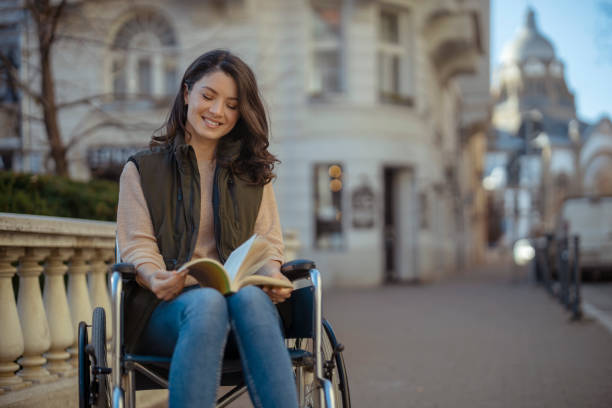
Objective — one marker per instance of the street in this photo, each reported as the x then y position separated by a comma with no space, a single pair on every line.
473,342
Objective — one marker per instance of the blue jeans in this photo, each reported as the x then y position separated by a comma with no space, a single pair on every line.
193,328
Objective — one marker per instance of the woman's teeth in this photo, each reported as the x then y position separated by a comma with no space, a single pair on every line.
211,122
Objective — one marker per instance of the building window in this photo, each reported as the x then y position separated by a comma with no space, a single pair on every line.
9,49
394,57
328,187
424,207
142,58
534,68
556,69
107,161
145,82
326,59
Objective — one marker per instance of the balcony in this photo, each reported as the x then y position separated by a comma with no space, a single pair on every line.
453,43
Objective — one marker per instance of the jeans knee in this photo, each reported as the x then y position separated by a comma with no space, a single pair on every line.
206,309
250,297
254,303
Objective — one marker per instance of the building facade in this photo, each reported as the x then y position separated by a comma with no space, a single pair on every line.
379,113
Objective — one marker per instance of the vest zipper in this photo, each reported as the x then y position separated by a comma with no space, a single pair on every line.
177,210
216,219
232,191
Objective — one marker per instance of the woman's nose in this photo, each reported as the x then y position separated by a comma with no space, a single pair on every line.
217,107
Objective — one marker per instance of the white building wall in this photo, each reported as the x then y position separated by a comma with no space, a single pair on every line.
354,129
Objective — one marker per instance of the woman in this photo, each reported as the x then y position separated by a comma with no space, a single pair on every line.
200,191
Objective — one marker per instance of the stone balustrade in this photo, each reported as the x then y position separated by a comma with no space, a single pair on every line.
38,330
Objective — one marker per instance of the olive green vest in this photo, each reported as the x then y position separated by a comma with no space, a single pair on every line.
171,185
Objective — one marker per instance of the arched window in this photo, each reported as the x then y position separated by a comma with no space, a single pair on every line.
143,57
556,69
534,68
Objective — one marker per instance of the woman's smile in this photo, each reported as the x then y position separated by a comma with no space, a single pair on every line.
212,123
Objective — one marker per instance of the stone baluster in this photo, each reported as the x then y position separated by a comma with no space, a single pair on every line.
58,313
78,296
11,338
98,286
33,318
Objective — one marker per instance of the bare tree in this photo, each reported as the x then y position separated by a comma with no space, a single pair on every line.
46,16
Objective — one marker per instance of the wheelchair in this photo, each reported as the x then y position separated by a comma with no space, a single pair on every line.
316,355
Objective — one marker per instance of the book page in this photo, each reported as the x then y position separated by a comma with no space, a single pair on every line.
255,259
209,273
264,280
233,262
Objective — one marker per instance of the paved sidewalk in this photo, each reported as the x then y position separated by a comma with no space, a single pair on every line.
478,342
597,302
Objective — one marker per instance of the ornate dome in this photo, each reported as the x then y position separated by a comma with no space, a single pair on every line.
529,43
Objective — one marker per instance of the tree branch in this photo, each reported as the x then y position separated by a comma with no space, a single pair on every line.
57,12
84,100
14,109
109,123
11,71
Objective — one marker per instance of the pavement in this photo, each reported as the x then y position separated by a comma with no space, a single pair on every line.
490,340
597,302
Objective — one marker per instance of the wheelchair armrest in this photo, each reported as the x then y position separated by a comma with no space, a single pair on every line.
297,269
127,270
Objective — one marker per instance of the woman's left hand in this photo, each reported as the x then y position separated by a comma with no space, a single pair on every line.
276,294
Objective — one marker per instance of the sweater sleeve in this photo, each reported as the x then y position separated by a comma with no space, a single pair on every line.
268,225
135,234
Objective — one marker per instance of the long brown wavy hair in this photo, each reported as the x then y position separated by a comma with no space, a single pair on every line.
252,161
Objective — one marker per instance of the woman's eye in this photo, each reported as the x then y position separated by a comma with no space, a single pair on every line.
232,107
208,98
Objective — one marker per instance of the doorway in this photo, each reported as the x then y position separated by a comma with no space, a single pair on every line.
400,225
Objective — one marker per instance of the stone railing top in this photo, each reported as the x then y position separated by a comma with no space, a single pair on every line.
56,225
38,230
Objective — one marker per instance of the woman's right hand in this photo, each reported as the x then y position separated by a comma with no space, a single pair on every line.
166,285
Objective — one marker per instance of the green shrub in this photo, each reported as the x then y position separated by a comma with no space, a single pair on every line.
58,196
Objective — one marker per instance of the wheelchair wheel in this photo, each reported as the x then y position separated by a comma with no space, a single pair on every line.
333,369
84,367
99,344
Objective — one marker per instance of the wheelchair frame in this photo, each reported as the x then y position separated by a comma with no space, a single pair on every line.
124,366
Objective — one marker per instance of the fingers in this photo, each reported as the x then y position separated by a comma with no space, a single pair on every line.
168,285
277,295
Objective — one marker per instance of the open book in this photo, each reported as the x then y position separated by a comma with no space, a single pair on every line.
239,269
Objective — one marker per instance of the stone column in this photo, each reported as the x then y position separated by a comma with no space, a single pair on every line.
78,296
11,338
33,318
58,314
98,284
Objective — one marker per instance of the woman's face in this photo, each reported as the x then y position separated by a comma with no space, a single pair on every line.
212,107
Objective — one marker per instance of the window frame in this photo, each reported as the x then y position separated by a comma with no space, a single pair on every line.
317,46
403,51
318,223
152,38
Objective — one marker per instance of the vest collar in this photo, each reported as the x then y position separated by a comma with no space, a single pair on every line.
182,150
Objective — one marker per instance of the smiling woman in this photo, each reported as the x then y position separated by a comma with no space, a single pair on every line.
201,191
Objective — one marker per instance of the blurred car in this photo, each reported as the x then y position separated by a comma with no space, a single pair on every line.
591,219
